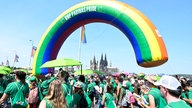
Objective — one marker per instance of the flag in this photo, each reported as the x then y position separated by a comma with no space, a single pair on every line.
33,51
83,37
16,58
7,62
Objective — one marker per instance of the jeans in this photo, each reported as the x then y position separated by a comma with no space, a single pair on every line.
99,104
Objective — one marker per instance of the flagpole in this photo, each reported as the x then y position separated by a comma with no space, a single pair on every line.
14,61
79,49
30,55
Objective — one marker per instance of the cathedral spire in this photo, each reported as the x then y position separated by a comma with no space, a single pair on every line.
105,61
101,61
94,60
101,67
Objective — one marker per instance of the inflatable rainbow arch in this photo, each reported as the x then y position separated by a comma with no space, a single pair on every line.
147,43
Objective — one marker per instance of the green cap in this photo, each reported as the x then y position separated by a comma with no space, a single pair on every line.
33,78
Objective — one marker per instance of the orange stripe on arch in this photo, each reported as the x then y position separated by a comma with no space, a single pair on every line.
161,44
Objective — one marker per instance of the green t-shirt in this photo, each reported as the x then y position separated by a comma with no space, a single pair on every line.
160,102
45,85
178,104
189,94
48,104
146,97
108,97
3,83
183,94
90,88
129,86
113,84
12,89
76,99
66,88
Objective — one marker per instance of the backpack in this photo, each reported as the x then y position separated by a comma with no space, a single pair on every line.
129,97
96,93
33,95
83,102
69,97
111,102
88,100
1,89
19,100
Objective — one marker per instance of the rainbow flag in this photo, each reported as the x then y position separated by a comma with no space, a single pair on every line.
33,51
83,37
16,59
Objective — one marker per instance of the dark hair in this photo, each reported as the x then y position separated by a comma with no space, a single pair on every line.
97,82
20,75
101,79
64,75
110,88
82,78
187,84
1,75
175,93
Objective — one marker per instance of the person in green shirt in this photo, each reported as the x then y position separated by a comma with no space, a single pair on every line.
55,97
155,98
108,99
45,84
129,85
188,95
12,88
78,94
118,81
73,80
67,89
144,93
3,85
90,89
171,89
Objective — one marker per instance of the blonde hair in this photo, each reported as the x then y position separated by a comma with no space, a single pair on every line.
55,95
145,88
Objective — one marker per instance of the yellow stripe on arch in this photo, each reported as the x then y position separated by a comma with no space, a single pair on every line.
147,30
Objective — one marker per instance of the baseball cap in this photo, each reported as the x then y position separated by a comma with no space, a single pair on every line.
33,78
169,82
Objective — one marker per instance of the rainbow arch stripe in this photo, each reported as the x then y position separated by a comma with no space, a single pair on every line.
147,43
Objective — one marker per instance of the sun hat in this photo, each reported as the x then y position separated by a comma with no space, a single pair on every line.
151,79
168,82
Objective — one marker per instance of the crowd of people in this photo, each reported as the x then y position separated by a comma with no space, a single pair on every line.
66,90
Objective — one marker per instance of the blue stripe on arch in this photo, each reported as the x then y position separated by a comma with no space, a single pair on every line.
85,16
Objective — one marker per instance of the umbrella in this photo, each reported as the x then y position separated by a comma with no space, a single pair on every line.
116,74
84,72
98,72
5,68
60,63
3,71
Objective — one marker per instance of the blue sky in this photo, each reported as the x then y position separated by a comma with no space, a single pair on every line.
24,20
